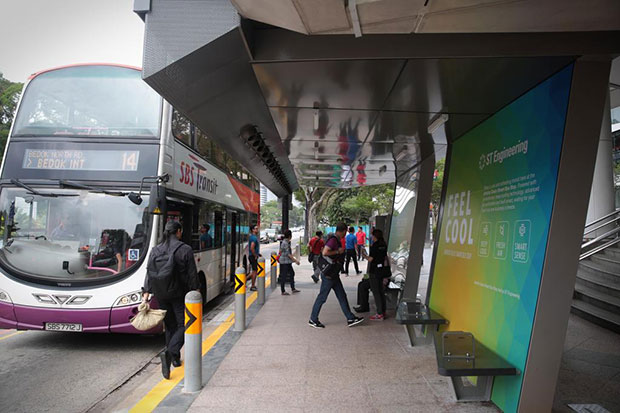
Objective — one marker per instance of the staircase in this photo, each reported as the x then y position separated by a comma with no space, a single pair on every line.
597,289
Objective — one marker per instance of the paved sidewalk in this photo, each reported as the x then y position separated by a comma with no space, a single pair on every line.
282,364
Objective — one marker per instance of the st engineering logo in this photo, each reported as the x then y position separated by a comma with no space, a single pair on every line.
193,173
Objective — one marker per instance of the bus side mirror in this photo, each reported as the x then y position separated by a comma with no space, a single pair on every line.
157,200
135,198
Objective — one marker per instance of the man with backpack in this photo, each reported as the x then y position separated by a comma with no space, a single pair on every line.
170,274
330,264
315,246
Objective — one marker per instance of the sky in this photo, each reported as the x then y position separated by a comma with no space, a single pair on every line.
41,34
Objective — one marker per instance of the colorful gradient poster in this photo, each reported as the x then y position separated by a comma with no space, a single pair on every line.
495,223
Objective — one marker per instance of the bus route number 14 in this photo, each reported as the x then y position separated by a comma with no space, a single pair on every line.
130,161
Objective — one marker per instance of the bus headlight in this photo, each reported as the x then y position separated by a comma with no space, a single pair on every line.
4,296
129,299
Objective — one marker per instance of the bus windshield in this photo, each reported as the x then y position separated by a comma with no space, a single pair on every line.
107,101
71,238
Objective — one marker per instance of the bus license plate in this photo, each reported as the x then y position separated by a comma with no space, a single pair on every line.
63,327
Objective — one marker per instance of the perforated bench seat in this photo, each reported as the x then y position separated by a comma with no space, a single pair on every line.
464,361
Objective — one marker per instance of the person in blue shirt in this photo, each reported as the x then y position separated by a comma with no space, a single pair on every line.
254,253
206,241
350,242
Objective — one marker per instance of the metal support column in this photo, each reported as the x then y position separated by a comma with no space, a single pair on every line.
418,232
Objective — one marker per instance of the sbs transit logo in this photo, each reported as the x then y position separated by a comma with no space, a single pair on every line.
193,172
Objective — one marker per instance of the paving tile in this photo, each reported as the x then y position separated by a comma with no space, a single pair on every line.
402,393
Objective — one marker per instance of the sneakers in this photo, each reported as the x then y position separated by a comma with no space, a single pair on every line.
315,278
315,324
285,293
359,272
252,288
377,317
295,291
165,364
360,309
355,321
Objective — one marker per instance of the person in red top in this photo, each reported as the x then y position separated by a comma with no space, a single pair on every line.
361,243
315,246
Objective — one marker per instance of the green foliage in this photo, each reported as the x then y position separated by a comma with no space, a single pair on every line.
9,96
437,184
357,205
270,212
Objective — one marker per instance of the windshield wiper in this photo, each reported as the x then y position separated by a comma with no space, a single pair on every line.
33,191
71,184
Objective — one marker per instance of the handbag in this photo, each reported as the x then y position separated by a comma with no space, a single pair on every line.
147,318
328,267
386,270
310,257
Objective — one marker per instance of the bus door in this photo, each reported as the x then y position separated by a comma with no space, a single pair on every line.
181,212
232,243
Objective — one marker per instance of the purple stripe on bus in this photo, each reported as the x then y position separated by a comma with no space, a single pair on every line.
7,316
103,320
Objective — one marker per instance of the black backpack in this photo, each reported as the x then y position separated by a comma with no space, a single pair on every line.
163,280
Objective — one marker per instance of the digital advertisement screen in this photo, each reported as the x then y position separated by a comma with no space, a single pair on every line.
495,223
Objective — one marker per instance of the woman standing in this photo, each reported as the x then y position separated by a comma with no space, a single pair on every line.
286,263
377,268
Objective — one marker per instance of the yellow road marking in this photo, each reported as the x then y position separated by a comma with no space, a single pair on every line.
158,393
11,335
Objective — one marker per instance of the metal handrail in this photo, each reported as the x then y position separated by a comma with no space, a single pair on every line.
603,225
599,248
596,221
601,237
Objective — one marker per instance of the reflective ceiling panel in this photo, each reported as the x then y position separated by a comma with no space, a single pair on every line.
352,84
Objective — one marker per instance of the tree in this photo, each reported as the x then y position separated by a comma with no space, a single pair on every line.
9,96
315,200
436,191
358,205
270,212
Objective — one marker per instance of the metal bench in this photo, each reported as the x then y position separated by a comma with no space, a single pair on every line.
470,364
414,313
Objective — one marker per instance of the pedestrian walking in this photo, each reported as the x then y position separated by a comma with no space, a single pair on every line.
378,272
330,264
315,247
350,243
361,243
287,274
254,253
171,273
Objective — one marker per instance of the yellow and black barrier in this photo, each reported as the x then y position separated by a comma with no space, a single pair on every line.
240,282
261,281
274,270
193,342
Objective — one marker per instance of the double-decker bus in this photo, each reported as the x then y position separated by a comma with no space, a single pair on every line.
76,221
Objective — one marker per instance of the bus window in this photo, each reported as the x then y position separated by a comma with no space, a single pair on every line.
181,128
84,235
204,227
219,230
102,101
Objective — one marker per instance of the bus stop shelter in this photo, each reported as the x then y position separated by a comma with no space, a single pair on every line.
345,94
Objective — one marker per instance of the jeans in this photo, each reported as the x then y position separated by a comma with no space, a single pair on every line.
174,322
287,274
359,248
315,266
351,255
326,286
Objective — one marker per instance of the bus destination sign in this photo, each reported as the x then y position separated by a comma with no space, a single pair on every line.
81,160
